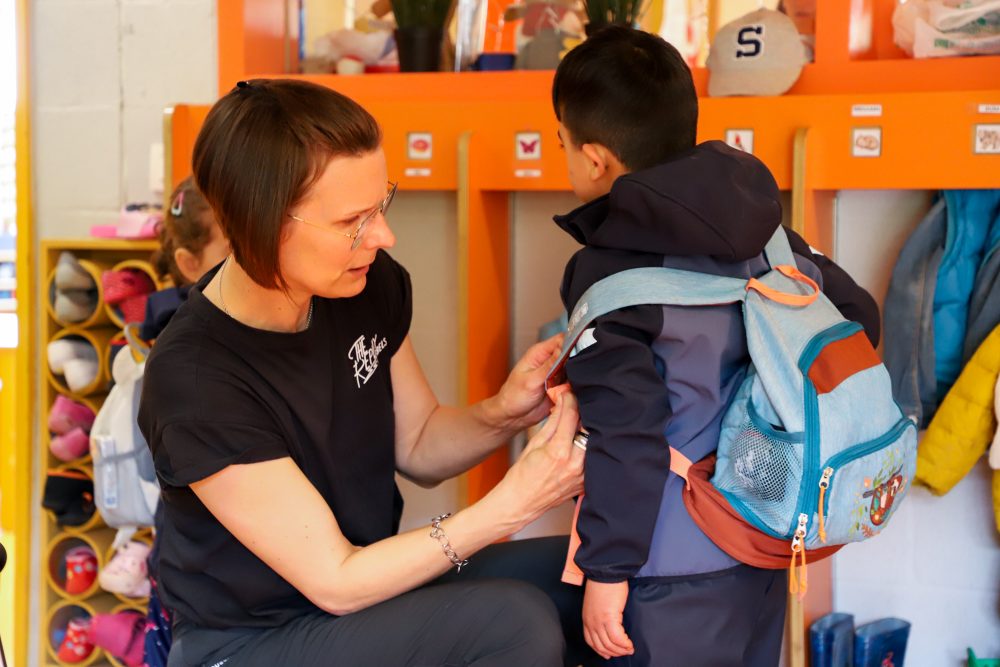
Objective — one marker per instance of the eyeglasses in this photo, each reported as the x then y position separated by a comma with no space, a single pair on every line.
363,225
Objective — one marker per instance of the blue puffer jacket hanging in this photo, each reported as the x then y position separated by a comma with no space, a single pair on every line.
941,302
972,231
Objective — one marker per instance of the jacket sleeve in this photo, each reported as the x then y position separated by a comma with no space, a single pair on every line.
852,300
964,424
623,404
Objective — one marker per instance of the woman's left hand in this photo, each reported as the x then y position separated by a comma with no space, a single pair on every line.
522,401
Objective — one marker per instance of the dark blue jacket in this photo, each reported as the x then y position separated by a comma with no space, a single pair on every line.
671,371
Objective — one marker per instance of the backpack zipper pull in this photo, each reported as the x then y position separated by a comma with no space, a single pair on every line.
796,584
824,484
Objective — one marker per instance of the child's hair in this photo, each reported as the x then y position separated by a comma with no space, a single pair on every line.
187,224
629,91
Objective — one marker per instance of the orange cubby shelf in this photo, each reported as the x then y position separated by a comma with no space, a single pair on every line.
927,137
257,39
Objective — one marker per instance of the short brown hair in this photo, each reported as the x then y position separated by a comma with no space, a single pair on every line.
187,224
262,146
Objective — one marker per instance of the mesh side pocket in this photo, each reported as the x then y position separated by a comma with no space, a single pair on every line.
762,470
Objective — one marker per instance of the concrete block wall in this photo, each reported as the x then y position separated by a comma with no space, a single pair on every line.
938,563
102,71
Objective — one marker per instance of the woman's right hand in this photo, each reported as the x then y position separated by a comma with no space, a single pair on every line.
549,470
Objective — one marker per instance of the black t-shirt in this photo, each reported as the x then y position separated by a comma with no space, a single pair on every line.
217,393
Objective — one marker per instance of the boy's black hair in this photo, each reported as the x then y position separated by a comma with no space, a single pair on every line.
630,91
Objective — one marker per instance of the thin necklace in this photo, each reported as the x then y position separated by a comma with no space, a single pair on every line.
222,300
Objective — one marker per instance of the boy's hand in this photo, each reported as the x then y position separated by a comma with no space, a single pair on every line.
603,605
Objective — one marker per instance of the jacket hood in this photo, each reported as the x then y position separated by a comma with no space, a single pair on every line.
712,200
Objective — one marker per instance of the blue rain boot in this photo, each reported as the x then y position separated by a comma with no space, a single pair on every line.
881,643
831,641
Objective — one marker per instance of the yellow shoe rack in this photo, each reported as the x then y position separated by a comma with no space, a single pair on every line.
101,329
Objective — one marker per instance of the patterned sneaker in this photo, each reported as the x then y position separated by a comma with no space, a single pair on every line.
76,645
81,570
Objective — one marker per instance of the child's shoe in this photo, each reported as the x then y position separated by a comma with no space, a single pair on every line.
76,645
74,305
139,221
69,495
70,275
126,574
120,285
70,446
121,635
67,415
80,373
133,309
62,350
81,570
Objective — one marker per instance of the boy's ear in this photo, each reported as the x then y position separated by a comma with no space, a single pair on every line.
601,162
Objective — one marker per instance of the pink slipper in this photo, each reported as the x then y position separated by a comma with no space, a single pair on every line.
126,573
120,285
71,445
122,635
133,309
67,415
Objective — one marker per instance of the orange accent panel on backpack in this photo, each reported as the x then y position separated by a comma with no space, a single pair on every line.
840,360
729,531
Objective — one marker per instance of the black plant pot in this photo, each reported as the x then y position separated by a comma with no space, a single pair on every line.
419,49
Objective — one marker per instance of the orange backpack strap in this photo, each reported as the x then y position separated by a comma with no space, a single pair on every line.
680,465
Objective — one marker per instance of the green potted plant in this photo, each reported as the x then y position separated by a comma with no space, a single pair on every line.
419,33
601,13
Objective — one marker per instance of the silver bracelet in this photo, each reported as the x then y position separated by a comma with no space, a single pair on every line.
438,534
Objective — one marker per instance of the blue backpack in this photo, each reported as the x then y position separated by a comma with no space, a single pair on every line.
814,452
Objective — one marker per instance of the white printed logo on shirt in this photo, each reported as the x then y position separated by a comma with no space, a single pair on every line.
366,358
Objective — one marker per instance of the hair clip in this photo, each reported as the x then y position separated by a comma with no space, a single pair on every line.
242,84
178,206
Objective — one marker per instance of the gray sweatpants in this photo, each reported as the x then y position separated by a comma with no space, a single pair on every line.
506,608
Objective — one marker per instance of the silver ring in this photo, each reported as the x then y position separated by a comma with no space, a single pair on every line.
580,440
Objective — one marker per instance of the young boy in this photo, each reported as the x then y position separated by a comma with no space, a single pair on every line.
657,587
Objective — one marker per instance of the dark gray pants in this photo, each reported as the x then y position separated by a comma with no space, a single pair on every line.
732,618
506,608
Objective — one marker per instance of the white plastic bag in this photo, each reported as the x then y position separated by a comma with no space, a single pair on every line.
938,28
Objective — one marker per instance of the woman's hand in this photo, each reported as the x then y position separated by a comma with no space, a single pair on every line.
548,472
521,401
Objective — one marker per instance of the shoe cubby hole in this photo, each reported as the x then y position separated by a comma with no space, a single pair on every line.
145,536
91,402
96,339
55,630
114,312
97,315
57,570
131,605
94,520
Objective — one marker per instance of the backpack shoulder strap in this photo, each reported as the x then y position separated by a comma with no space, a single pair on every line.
645,286
778,252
